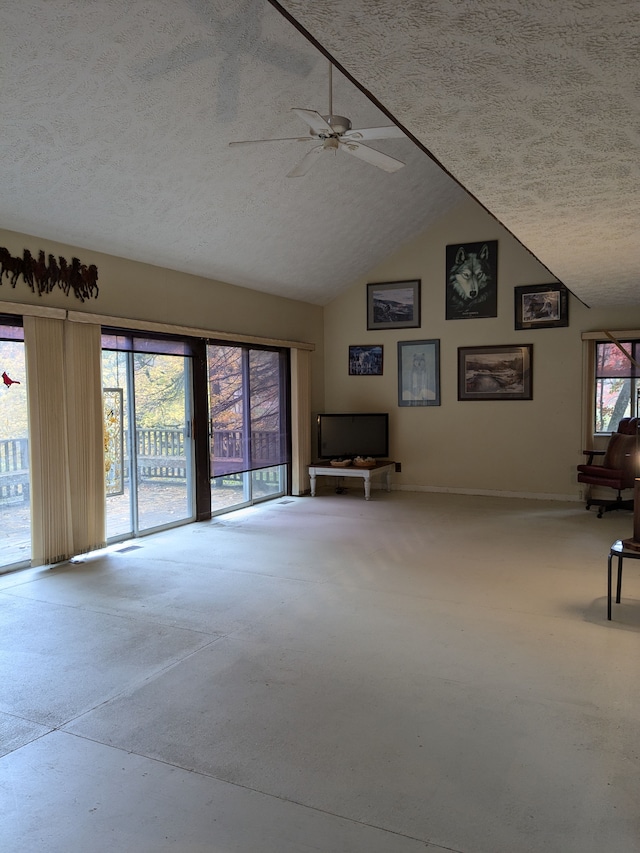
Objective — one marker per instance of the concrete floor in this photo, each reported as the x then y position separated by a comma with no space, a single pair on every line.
414,672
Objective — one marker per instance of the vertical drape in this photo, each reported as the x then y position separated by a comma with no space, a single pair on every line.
588,397
300,420
85,433
51,528
65,438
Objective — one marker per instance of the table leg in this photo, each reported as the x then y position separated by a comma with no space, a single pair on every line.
619,585
609,587
388,476
312,478
367,488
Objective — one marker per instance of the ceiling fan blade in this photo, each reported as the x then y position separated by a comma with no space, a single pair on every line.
315,121
306,163
370,155
388,132
282,139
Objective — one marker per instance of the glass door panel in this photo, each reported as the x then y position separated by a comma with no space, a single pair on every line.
227,446
267,434
15,510
229,490
163,440
267,482
226,410
265,407
116,401
247,439
148,468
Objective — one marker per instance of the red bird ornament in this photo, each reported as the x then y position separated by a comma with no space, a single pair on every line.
7,381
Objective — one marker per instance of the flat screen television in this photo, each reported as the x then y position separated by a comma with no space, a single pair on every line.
341,436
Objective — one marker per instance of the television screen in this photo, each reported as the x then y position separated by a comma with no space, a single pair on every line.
348,435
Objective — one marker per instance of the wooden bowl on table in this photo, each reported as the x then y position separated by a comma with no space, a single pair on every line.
364,462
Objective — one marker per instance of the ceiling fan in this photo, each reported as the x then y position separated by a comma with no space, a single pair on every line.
334,133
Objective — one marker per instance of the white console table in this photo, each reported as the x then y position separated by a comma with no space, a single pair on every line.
322,469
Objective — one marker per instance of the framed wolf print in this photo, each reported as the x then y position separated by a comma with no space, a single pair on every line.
393,305
418,373
541,306
365,360
495,372
472,280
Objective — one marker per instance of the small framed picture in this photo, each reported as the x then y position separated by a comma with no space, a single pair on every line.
472,280
419,373
393,305
495,372
365,360
541,306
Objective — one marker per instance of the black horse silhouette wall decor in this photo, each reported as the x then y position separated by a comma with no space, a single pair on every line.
43,273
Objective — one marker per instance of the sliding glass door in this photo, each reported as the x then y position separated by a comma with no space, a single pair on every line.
148,437
149,442
267,422
15,512
247,424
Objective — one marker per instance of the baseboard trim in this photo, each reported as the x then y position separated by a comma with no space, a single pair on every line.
537,496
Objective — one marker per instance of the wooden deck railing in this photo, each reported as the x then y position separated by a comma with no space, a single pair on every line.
265,446
14,470
161,456
161,452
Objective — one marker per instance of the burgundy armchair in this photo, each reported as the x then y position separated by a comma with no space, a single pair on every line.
619,467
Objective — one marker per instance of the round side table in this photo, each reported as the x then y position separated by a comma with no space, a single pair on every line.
618,550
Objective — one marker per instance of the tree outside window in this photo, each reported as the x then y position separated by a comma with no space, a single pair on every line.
617,381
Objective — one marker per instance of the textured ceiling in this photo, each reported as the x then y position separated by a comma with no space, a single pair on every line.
116,119
533,105
117,114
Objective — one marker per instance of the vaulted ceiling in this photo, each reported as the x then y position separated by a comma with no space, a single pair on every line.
117,118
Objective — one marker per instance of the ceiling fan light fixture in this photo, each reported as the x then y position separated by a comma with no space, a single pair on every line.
333,132
339,124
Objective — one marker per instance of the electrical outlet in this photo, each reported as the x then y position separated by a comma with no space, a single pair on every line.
398,467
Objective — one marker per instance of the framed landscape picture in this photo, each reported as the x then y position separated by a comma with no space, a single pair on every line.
472,280
393,305
541,306
419,373
495,372
365,360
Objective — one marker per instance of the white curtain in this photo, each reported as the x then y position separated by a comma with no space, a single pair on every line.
300,420
51,530
85,433
65,438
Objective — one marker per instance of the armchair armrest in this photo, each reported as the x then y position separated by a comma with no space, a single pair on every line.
592,453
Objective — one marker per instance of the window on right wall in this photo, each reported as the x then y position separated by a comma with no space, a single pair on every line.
617,383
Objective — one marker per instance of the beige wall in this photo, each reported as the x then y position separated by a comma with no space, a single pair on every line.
140,291
514,447
517,447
